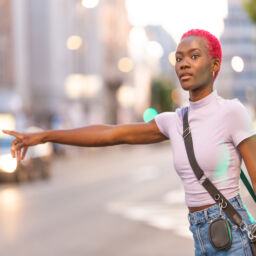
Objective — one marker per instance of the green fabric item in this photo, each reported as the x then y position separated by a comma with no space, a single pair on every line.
229,232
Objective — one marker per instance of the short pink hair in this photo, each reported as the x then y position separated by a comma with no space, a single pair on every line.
214,45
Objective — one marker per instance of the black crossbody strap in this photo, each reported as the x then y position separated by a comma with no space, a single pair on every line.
207,184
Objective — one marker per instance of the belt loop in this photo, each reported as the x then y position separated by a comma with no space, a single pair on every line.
239,199
206,215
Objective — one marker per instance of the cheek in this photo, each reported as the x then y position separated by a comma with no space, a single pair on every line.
203,73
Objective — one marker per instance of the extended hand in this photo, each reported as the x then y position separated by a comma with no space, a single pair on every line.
20,145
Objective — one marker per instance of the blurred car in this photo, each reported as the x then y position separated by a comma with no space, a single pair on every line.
36,164
37,161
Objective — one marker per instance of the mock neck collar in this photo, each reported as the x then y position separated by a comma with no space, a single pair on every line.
210,98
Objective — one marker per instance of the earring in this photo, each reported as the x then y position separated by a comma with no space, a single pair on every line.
213,73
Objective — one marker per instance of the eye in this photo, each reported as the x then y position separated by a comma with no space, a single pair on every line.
178,59
195,55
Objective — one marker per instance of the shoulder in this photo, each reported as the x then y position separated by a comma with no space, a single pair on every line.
236,113
165,120
178,113
234,106
165,115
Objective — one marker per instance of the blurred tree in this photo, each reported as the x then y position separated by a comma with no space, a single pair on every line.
250,7
161,91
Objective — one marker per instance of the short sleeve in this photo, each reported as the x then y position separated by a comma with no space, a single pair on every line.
240,124
163,121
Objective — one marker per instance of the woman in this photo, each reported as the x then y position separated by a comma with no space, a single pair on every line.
215,123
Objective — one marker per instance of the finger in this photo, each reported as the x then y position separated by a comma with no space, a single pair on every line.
13,148
18,155
12,133
24,152
19,147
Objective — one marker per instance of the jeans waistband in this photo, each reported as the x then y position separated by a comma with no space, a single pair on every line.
211,212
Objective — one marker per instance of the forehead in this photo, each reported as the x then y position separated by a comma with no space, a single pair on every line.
191,42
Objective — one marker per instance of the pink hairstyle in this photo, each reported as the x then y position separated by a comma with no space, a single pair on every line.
214,45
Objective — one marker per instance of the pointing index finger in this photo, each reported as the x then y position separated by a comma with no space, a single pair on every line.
13,133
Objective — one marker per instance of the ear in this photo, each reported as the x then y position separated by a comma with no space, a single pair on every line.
215,65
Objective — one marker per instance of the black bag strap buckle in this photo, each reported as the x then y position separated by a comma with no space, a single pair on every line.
186,132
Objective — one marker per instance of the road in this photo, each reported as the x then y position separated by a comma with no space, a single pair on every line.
113,201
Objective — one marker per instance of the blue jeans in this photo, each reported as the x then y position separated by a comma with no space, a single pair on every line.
199,224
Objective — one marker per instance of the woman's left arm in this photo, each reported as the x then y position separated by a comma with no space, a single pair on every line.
247,149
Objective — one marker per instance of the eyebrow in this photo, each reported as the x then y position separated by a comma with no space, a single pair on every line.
191,50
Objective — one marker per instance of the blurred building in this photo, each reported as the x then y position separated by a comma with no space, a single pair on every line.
6,45
159,34
237,76
66,57
114,29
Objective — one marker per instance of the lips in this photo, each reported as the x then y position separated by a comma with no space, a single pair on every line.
185,76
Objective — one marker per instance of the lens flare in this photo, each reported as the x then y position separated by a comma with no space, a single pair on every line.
223,161
149,114
252,220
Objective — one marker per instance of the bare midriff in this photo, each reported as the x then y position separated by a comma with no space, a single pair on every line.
199,208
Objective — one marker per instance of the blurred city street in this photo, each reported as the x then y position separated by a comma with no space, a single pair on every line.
76,63
122,200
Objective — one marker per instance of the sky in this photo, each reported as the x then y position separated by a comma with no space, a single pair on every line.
178,16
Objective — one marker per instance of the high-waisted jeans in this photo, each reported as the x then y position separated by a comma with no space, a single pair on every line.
199,225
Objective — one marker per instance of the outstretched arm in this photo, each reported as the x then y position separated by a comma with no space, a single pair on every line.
89,136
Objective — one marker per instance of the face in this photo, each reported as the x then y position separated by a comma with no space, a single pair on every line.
194,66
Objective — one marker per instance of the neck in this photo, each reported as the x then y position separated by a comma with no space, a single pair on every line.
199,93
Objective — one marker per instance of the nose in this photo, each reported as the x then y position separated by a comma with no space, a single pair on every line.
184,63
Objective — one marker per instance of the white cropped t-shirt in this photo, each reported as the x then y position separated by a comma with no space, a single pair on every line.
217,126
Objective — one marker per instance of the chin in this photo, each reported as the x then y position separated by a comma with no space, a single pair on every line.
186,86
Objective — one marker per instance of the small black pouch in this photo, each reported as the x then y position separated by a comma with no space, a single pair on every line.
220,235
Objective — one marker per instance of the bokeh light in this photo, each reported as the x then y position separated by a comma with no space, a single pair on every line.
73,85
237,64
172,58
138,35
93,84
223,161
176,96
90,3
80,85
8,163
249,214
74,42
125,65
154,49
7,122
125,95
149,114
